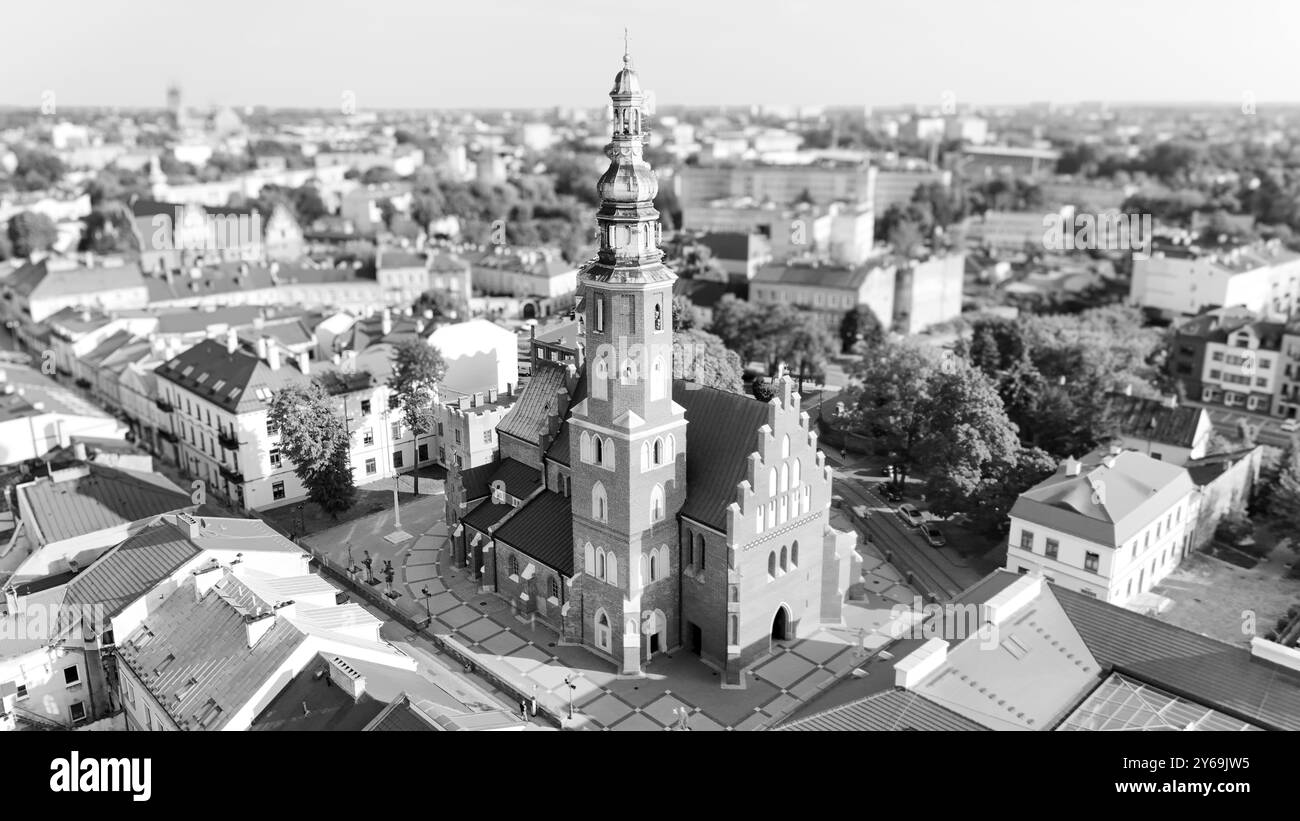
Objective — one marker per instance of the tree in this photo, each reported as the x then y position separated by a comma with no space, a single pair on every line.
905,237
860,325
685,315
109,229
1234,528
444,305
314,438
763,388
774,335
30,232
700,357
893,403
418,370
36,170
1284,499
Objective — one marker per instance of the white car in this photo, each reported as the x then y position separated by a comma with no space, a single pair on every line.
1291,426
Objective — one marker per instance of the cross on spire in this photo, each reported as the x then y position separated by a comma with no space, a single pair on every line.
627,56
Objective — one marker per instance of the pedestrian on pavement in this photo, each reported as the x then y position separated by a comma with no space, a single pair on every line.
532,706
523,709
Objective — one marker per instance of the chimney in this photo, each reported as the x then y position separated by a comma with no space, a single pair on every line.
921,662
258,626
304,363
346,678
386,322
189,525
232,341
205,578
1171,401
1073,467
79,452
286,608
262,347
492,395
1012,599
272,356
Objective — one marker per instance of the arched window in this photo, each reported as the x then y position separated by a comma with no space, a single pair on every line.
785,447
785,477
794,555
599,503
758,524
611,572
805,498
699,550
663,559
771,481
600,563
659,308
608,453
645,456
589,554
657,503
514,565
794,474
783,511
771,565
784,559
584,447
598,452
600,383
602,630
654,566
671,451
659,451
657,380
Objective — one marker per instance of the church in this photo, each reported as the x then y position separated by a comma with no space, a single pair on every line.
637,512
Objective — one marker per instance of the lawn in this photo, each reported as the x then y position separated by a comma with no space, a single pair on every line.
315,520
1216,598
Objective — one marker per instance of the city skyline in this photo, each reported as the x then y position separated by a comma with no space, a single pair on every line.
542,56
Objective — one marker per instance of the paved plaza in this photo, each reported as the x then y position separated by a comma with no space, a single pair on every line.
530,659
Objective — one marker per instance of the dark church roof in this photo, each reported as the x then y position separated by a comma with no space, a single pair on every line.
543,529
526,419
720,435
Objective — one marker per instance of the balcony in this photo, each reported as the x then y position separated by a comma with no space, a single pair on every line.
232,475
228,440
168,435
164,405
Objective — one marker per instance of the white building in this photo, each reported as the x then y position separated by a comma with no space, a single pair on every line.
1183,281
1110,526
37,415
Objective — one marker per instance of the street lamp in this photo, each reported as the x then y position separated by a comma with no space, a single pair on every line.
568,680
392,458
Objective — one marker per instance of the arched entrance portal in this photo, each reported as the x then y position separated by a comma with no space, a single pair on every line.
530,310
781,624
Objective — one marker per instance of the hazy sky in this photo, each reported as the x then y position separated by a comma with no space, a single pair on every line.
493,53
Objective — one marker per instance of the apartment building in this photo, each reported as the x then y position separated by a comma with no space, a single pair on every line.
1287,402
1242,366
1111,525
820,183
829,290
1184,280
40,289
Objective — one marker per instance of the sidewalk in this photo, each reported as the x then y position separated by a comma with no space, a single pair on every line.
529,660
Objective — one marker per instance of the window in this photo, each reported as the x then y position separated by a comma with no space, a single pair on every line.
553,588
1027,541
602,631
600,385
652,562
1090,561
397,430
699,559
458,436
657,380
598,503
659,315
657,503
784,559
598,451
598,313
365,407
22,692
367,437
71,676
424,453
393,402
370,467
271,428
276,460
514,565
1052,547
771,565
794,474
794,555
397,459
78,711
785,447
659,452
487,436
277,490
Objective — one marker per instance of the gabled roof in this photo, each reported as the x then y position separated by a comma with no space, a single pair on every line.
102,497
401,716
890,710
36,280
1208,468
821,276
487,515
543,529
311,702
132,568
475,481
240,375
1153,419
521,481
720,434
526,420
193,656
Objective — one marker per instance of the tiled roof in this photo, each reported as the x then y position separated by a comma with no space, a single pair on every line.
720,435
890,710
487,515
37,280
401,716
239,374
228,277
1153,419
476,480
132,568
102,498
31,386
194,657
520,479
543,529
1105,504
109,346
1206,469
528,416
390,258
707,293
193,320
821,276
1184,663
727,244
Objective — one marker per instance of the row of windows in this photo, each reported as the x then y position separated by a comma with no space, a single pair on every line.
776,511
695,551
778,564
629,374
601,563
600,503
627,311
659,452
594,450
1052,548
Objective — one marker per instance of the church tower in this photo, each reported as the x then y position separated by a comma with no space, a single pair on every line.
627,436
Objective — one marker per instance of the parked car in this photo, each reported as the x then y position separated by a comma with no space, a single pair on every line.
933,535
910,514
861,511
1291,426
893,493
837,501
